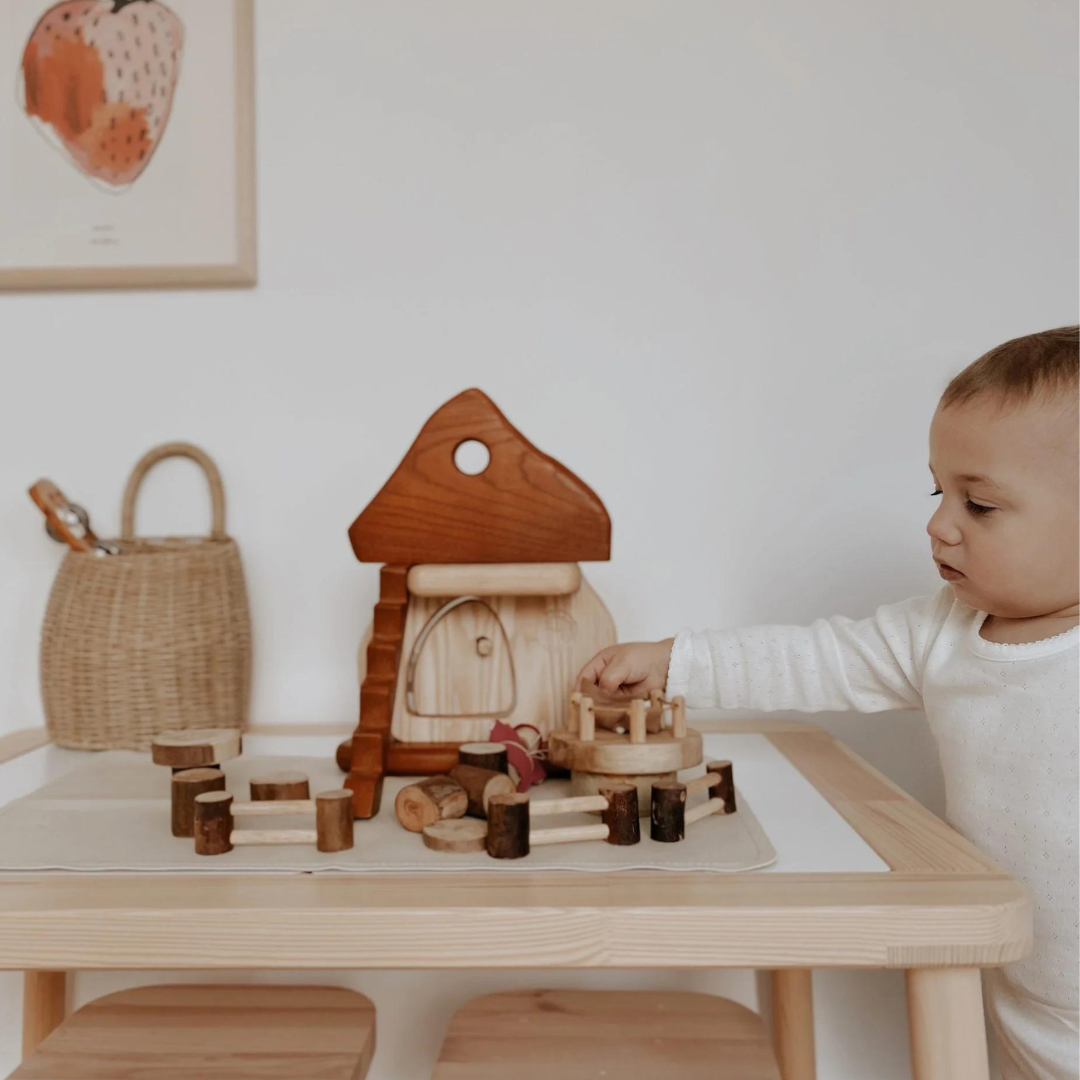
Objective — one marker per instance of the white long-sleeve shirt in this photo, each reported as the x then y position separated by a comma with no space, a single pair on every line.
1006,724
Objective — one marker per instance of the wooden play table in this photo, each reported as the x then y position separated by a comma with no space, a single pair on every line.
941,913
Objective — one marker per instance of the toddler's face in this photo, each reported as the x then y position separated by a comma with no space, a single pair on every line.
1006,531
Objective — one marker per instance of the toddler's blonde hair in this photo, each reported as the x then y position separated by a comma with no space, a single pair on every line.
1038,365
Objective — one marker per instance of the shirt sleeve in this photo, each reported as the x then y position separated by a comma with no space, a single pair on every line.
866,665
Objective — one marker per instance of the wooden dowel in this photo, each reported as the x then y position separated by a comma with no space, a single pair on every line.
480,785
273,808
213,823
569,835
587,720
678,718
435,798
621,814
185,786
572,722
706,809
701,783
334,820
268,837
638,727
283,786
668,816
582,804
484,755
508,826
726,788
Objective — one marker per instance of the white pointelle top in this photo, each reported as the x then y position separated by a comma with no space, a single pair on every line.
1005,718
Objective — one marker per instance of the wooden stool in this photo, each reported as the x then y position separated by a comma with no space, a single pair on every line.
620,1034
213,1033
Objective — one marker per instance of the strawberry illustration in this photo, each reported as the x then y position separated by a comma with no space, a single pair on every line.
99,77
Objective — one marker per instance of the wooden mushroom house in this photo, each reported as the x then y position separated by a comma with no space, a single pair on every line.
483,612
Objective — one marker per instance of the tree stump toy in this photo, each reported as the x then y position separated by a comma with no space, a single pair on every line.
186,785
216,814
436,798
629,752
669,817
273,787
480,785
483,612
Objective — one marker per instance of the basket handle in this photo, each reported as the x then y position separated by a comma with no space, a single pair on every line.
160,453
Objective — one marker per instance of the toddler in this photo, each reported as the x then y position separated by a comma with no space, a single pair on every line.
991,658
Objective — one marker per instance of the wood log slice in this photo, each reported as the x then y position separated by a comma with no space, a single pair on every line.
484,755
456,837
508,826
213,823
480,785
432,799
668,817
195,748
621,816
185,786
280,786
334,820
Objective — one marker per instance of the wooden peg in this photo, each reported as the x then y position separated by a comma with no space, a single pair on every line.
185,786
334,820
577,804
508,826
456,837
702,783
273,808
726,787
703,810
638,726
569,834
272,837
586,719
678,717
668,817
433,799
480,785
620,815
195,748
484,755
272,787
213,823
574,711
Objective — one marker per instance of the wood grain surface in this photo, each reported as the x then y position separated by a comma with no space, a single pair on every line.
524,507
624,1035
551,639
247,1032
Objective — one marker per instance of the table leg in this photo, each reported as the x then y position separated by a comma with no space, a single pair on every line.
44,1006
945,1020
793,1023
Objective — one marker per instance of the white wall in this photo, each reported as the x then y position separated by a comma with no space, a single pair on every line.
718,258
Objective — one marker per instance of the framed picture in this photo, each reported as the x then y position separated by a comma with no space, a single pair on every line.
127,143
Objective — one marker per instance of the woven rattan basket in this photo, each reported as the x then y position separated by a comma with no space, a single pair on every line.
156,637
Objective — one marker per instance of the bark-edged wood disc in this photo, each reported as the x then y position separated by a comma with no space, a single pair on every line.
458,837
195,747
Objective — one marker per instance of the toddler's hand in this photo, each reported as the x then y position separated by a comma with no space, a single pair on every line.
627,671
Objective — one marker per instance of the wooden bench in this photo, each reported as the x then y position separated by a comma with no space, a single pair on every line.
623,1035
211,1033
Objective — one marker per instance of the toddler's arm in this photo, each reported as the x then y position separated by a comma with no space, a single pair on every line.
839,663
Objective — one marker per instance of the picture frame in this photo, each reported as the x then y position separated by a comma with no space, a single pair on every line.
150,178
